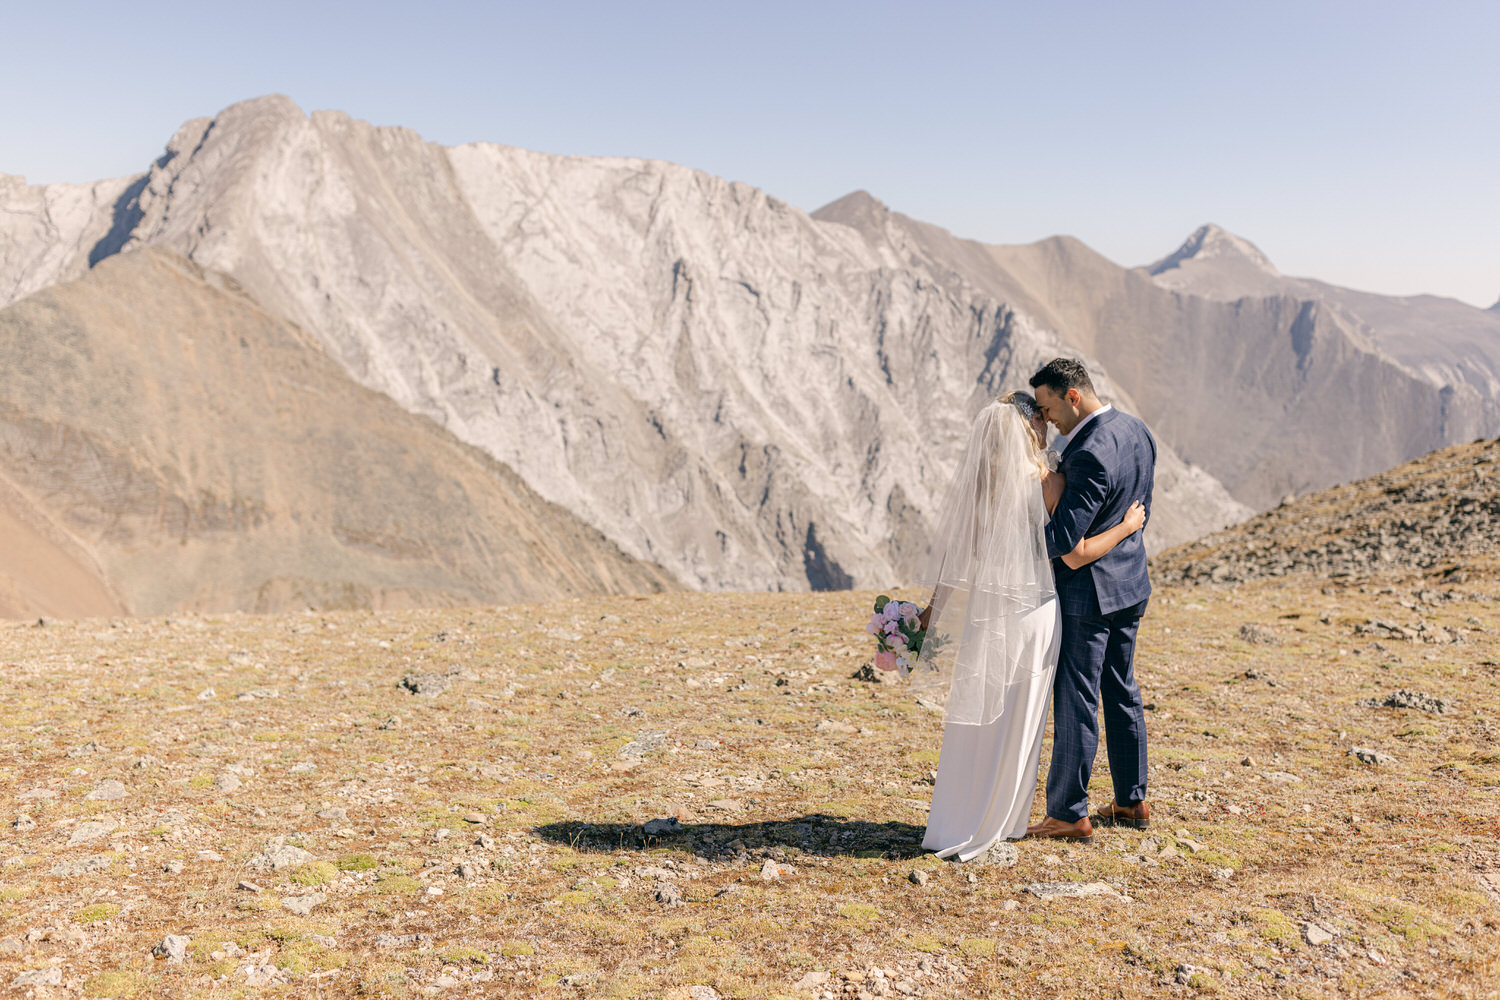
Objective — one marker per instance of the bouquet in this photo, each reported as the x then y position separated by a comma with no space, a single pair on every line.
897,626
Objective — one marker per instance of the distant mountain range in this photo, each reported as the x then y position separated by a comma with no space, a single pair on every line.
733,390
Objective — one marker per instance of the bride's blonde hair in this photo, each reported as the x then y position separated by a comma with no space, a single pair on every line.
1027,404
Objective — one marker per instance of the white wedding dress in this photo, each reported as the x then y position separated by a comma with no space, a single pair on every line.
986,774
993,641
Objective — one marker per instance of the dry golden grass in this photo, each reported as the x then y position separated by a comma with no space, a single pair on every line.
523,756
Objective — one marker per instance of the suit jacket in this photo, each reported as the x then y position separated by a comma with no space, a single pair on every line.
1109,464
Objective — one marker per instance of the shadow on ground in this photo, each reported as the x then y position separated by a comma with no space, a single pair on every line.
816,834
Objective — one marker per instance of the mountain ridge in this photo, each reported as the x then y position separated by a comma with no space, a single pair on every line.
750,395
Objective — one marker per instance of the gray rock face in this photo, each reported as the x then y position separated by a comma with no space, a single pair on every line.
749,396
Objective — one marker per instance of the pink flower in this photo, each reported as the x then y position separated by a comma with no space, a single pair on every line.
885,660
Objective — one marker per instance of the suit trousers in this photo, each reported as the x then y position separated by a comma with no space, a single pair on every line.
1097,660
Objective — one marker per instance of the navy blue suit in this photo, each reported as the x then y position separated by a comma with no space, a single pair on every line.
1109,464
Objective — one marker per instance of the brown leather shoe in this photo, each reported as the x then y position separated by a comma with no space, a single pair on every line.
1114,814
1080,832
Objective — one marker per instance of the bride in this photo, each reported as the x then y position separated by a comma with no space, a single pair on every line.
992,640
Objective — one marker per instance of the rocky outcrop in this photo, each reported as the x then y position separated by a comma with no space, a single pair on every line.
167,445
1432,515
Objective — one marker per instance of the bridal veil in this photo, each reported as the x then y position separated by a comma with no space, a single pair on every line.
988,568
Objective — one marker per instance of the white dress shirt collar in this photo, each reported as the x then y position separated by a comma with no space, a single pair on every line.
1103,409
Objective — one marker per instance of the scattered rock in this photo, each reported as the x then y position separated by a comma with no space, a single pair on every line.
811,981
229,783
173,867
278,855
303,767
651,871
38,977
661,827
1315,934
917,877
107,791
303,905
248,886
83,749
73,869
1047,891
643,744
336,813
429,685
1369,756
92,830
173,948
1185,973
11,946
1408,699
667,894
773,870
466,871
1259,635
388,940
726,805
831,726
23,823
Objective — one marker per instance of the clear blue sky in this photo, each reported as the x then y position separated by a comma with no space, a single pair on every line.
1355,142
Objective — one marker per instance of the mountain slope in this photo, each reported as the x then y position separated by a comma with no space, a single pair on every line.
1443,341
186,450
718,382
1270,395
1437,512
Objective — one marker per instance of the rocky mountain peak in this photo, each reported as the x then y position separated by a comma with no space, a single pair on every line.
858,209
1210,242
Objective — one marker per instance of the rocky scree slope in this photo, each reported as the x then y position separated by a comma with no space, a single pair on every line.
1431,515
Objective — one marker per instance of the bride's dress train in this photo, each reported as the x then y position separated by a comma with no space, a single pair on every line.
986,775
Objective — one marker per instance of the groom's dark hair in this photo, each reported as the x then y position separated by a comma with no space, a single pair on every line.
1062,374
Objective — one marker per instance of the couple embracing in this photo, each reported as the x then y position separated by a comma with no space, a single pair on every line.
1039,582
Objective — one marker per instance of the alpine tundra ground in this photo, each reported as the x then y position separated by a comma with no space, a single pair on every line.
263,802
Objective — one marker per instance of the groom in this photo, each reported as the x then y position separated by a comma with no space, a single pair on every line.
1108,463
